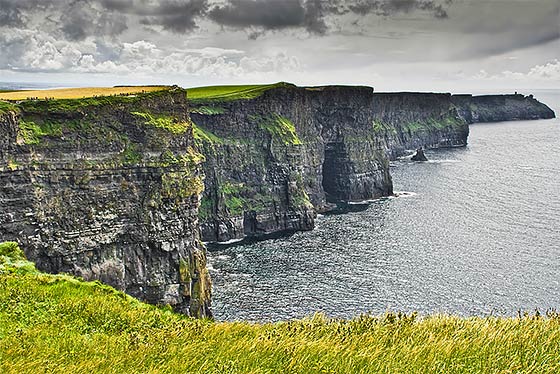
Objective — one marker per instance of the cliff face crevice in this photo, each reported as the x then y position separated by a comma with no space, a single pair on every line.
110,192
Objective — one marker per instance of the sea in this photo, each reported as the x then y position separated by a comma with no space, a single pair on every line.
474,231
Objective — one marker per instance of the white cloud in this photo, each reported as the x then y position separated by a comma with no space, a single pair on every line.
549,72
29,51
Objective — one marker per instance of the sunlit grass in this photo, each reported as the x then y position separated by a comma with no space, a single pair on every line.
226,93
59,324
77,93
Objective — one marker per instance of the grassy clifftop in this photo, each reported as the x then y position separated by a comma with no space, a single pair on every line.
230,93
56,323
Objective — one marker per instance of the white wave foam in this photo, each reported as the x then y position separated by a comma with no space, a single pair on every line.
363,202
403,194
231,241
395,195
442,161
222,257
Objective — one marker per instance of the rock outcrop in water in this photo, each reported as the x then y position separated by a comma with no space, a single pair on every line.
419,156
112,188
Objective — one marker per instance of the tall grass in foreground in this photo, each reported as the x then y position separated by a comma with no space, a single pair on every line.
55,323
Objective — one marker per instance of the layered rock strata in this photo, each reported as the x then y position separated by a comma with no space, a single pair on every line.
108,189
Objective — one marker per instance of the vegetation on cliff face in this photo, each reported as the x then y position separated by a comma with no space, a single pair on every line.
168,123
279,127
231,192
202,135
6,107
31,132
443,123
58,323
208,110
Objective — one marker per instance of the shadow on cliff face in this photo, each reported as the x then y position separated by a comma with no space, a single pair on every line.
333,172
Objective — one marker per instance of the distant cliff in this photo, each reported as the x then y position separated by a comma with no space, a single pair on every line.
494,108
121,188
276,157
108,188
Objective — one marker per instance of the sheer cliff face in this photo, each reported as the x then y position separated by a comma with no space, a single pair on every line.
275,160
108,189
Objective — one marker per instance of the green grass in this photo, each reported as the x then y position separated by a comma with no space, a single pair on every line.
7,107
231,192
381,128
206,208
131,155
208,110
443,123
202,135
59,324
31,132
230,93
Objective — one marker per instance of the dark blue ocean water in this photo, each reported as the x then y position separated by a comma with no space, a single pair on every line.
477,233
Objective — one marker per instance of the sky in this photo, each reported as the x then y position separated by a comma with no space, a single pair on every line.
392,45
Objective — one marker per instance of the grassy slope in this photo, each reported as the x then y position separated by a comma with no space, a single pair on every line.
77,93
228,93
60,324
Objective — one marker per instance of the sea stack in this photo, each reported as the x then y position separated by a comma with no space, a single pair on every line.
419,155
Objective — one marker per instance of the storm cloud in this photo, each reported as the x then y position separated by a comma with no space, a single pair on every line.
78,19
311,15
306,40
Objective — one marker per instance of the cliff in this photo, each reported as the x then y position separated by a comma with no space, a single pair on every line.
274,160
495,108
121,188
277,154
108,188
408,120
